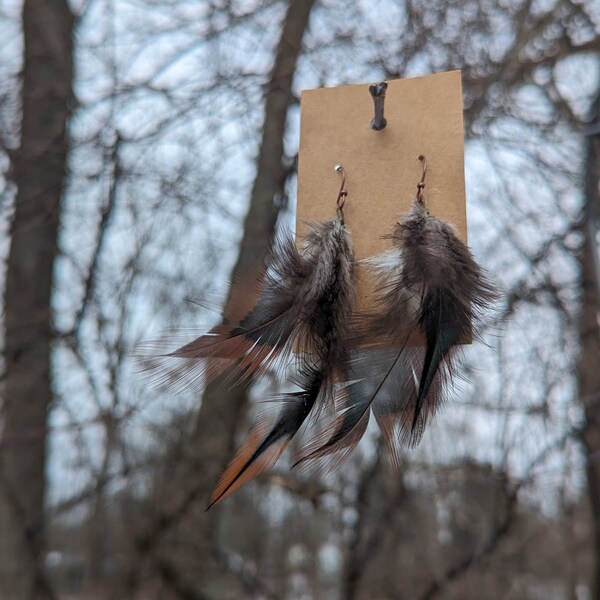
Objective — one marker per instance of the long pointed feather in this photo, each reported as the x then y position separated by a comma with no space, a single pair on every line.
321,337
443,330
343,433
430,285
266,442
352,413
455,292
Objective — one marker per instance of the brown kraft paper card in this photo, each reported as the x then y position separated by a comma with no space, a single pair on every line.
424,116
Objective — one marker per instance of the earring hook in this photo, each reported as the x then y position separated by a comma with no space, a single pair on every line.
421,184
341,199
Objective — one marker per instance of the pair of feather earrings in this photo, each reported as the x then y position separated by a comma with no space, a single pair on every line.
350,365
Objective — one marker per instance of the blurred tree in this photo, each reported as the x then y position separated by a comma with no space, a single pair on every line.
39,170
589,373
210,445
180,165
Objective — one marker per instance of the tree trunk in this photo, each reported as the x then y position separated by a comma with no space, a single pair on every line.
219,415
39,172
589,373
220,410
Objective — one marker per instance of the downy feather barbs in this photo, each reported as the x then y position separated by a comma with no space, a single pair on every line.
291,308
430,288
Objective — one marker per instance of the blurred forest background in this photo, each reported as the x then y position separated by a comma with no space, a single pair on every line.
147,154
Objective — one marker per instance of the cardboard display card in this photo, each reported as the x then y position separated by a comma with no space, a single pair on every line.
424,116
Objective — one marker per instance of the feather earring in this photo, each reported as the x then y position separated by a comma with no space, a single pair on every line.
288,308
315,297
429,287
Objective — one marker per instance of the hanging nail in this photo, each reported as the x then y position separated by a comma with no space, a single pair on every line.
377,91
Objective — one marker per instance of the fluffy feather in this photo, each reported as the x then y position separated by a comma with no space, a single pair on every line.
293,311
317,324
453,294
430,291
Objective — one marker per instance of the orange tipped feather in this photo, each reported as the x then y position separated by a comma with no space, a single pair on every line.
268,439
249,462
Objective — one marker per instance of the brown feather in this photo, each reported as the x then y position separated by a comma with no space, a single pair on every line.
245,466
321,333
293,312
428,286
